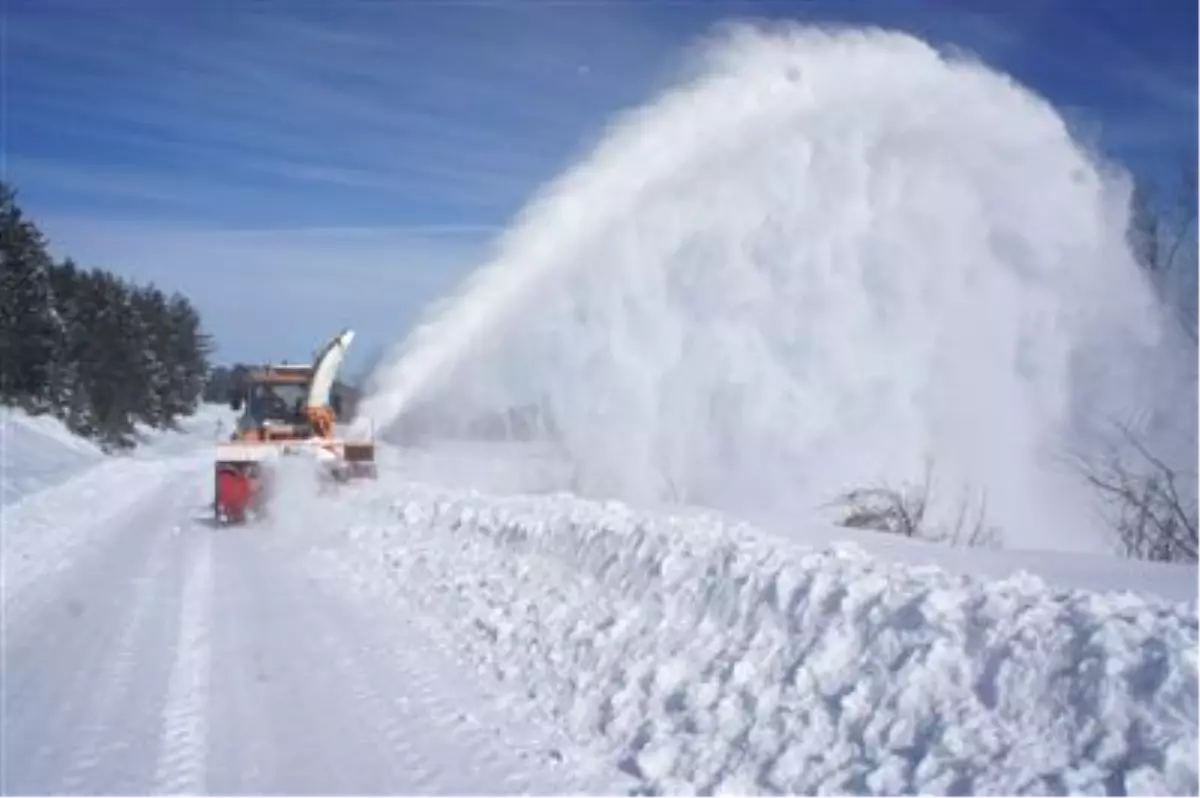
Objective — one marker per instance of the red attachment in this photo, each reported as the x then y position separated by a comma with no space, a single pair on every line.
235,491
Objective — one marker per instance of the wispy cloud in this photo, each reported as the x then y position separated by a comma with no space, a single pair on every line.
444,113
148,134
273,293
293,169
434,111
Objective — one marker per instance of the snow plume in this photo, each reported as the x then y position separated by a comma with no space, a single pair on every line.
825,261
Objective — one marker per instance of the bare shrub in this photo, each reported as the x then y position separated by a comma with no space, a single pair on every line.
904,512
1152,516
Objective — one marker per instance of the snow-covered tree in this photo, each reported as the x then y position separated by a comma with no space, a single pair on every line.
30,330
95,350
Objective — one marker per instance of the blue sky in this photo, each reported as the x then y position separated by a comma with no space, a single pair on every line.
354,158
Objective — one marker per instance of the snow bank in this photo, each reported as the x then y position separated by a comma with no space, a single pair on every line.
63,496
209,423
37,452
704,656
40,452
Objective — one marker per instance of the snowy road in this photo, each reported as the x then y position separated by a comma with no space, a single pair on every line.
162,655
412,637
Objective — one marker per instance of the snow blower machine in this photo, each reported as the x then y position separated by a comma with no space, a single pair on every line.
287,411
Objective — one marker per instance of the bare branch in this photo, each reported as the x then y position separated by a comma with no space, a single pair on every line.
904,512
1153,520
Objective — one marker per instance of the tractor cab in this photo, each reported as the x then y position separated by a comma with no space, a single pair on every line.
273,401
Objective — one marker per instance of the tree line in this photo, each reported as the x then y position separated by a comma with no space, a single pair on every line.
88,347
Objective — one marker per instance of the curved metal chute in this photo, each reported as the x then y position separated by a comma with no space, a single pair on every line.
326,367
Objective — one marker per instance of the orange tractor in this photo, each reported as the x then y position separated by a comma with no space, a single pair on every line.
286,411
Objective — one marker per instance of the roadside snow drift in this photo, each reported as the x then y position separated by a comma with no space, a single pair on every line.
37,452
709,657
62,493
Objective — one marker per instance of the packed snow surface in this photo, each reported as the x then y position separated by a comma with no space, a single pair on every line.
147,652
824,261
415,636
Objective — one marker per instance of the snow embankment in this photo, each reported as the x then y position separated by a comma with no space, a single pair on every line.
40,452
37,452
704,656
63,496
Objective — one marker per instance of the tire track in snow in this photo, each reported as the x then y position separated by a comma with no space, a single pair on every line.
309,737
504,711
389,722
60,673
357,748
116,680
391,742
52,534
182,759
371,670
242,758
411,681
45,701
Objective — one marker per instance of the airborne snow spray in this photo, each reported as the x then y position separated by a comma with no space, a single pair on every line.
825,261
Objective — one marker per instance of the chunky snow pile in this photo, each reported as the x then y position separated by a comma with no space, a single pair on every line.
704,656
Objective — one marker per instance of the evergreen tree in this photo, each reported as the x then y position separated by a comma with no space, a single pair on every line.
100,353
68,394
218,386
187,355
30,330
151,336
108,363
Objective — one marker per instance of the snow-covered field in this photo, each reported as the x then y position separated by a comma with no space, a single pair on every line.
415,635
